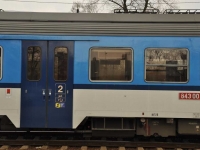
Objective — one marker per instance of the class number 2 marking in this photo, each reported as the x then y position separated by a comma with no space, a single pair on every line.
60,89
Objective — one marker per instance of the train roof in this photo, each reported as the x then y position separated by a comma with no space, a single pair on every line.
98,17
99,24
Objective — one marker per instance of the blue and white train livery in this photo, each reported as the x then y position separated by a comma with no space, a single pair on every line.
136,74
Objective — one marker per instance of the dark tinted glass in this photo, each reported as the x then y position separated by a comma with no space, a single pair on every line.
111,64
166,65
60,64
34,63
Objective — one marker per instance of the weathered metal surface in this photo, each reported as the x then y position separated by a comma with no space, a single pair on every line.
99,24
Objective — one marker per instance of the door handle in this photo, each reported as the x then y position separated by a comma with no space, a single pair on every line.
43,93
49,92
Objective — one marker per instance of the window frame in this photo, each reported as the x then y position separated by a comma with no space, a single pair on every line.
167,82
40,65
54,63
1,73
112,48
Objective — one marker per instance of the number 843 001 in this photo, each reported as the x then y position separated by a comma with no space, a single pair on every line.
189,96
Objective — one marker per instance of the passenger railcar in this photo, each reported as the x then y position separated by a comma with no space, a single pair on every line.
132,73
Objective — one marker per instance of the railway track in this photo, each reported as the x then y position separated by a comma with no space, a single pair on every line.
94,145
46,147
70,141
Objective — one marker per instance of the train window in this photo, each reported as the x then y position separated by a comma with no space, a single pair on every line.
1,51
166,64
60,64
111,64
34,63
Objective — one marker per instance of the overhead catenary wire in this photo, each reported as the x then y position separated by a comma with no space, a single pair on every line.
48,2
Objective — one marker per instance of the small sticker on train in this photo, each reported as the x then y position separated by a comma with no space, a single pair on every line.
154,114
196,115
8,91
57,105
62,105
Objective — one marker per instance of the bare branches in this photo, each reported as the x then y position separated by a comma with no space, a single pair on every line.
116,3
170,4
146,5
75,7
164,4
92,6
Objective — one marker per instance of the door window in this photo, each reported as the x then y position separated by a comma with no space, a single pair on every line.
34,63
60,64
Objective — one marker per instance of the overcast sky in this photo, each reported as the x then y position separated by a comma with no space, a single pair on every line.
63,5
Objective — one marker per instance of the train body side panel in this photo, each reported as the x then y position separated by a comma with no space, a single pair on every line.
138,93
132,103
11,61
11,79
132,99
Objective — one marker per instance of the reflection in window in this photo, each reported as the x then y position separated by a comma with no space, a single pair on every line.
111,64
166,64
34,63
0,62
60,63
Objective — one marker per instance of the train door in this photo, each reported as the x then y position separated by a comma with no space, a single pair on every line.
47,84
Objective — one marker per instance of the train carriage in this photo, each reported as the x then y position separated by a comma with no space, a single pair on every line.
132,73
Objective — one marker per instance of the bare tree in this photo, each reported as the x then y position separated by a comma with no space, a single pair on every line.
84,7
125,5
76,7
